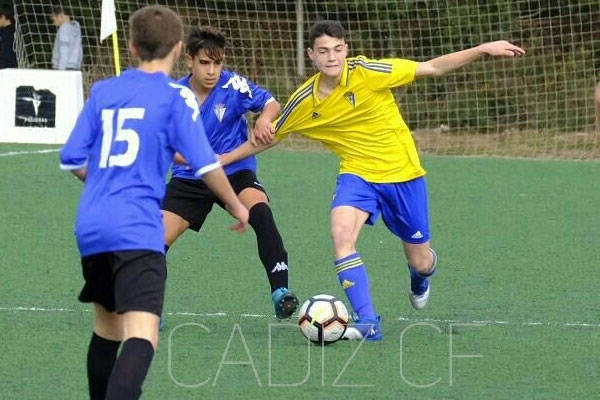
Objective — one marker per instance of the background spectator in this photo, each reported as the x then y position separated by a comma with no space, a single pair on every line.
8,57
67,52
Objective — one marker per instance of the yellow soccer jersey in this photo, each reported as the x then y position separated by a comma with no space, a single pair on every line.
359,120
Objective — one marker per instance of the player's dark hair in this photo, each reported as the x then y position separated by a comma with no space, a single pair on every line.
59,9
206,38
154,30
326,28
7,14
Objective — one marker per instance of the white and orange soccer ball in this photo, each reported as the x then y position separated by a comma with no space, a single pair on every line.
323,319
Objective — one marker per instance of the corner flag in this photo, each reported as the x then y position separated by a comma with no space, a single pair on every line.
108,22
108,27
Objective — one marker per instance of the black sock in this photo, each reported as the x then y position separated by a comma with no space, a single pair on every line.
130,370
101,357
270,245
162,323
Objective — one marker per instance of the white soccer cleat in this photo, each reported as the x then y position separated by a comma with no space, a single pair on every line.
352,334
419,301
365,329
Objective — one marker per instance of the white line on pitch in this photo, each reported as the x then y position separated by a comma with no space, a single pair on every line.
496,322
85,310
44,309
224,314
18,153
216,314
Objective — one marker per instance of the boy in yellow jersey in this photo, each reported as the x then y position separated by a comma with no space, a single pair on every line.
349,107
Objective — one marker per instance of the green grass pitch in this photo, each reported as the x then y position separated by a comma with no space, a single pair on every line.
513,312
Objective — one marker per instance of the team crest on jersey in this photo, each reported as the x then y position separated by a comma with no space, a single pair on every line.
220,111
350,97
315,115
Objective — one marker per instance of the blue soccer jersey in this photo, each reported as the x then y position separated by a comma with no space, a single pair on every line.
223,117
126,136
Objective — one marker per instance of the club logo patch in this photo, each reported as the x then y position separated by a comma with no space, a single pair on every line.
351,98
220,111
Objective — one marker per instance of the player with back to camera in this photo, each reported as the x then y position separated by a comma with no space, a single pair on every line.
224,98
122,146
349,107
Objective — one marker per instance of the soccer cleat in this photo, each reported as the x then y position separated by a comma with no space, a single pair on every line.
419,301
419,284
368,329
285,303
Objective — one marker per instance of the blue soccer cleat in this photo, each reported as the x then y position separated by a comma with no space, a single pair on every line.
368,329
285,303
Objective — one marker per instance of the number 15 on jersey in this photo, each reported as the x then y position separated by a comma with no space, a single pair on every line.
110,135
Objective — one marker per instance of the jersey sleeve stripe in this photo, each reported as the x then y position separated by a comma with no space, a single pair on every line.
373,63
207,168
377,64
293,104
385,68
72,167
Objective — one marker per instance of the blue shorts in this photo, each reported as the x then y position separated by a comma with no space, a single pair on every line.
403,205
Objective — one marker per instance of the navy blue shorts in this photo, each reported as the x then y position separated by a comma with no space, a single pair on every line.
403,206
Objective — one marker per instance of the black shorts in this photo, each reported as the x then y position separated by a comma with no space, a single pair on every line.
192,200
125,280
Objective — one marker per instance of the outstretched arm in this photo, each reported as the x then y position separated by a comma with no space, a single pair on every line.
245,150
442,65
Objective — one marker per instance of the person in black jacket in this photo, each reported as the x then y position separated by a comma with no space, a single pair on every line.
8,57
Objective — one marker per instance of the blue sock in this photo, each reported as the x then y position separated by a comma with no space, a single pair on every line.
418,281
353,277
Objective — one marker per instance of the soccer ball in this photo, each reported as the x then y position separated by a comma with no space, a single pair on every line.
323,319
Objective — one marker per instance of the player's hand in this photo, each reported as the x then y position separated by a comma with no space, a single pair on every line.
179,159
263,131
223,159
240,213
502,48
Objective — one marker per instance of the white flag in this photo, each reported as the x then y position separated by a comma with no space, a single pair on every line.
108,22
